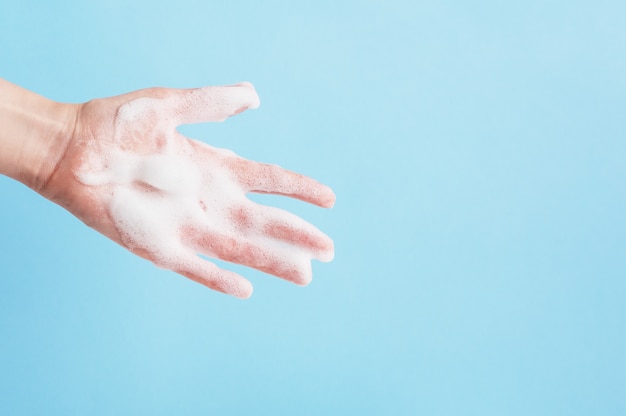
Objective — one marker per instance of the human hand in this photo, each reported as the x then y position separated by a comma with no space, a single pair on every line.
127,173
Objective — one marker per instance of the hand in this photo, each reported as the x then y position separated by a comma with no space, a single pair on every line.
127,173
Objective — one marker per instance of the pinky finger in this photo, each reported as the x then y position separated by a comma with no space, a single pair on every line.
213,277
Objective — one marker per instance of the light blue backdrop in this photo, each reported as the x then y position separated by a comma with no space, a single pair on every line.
478,152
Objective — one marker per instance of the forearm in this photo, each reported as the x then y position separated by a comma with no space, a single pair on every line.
33,134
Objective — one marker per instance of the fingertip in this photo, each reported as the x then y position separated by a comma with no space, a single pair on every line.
328,198
303,279
235,286
328,255
322,196
208,274
249,96
245,291
304,283
314,193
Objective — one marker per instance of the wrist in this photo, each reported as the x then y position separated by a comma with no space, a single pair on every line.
50,143
34,134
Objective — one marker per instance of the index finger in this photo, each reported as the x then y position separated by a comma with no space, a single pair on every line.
272,179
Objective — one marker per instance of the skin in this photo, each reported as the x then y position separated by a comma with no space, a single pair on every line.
63,151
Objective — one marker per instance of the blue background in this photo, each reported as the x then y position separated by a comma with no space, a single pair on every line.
479,157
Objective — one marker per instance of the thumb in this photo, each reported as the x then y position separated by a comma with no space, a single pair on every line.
205,104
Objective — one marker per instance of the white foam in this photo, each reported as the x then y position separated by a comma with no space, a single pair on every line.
178,198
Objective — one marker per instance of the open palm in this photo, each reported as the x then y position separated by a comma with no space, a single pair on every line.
131,176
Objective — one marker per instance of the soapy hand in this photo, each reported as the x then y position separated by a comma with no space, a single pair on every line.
128,173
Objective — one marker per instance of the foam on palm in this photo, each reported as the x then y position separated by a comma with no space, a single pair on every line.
176,198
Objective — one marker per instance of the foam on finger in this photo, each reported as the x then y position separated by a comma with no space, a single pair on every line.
214,103
273,179
211,276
